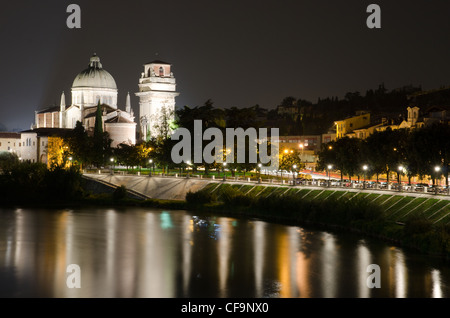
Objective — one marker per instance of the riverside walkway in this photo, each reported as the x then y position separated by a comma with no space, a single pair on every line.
175,187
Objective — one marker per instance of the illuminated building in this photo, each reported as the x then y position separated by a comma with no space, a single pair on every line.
157,92
91,87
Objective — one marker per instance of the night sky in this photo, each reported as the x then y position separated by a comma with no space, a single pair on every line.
236,53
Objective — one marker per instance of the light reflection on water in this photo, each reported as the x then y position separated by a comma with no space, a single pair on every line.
152,253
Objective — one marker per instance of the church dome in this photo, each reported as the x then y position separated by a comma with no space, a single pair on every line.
94,76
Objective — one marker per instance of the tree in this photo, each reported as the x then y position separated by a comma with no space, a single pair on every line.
430,147
290,161
288,101
8,161
343,154
371,156
79,145
210,118
126,155
101,143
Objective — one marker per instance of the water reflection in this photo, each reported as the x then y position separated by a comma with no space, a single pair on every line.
153,253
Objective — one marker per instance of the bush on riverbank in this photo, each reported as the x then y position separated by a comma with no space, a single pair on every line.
119,193
25,182
420,233
200,197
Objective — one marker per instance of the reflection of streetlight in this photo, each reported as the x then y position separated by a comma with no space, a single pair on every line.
364,182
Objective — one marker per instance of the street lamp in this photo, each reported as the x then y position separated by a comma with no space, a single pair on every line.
364,182
329,167
437,169
112,163
223,170
400,169
151,166
301,152
293,174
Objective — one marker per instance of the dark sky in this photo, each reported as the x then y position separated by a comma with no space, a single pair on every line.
235,52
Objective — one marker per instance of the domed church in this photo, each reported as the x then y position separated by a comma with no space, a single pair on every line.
92,86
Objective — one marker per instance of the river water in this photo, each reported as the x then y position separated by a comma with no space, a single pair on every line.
151,253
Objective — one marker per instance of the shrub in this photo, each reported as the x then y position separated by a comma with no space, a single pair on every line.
417,224
200,197
120,193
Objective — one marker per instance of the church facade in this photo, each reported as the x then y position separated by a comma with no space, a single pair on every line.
92,86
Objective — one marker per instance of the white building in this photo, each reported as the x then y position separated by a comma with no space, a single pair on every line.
92,86
10,142
157,91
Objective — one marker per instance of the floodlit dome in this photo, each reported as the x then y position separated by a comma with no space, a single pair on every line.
94,76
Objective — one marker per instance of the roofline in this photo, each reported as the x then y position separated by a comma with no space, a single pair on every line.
157,62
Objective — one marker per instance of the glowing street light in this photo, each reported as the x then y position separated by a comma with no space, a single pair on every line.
365,167
223,170
329,167
400,170
113,164
152,167
437,169
293,174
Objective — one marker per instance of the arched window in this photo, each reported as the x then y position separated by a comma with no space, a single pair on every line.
161,71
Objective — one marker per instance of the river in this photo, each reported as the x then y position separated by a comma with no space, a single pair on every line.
152,253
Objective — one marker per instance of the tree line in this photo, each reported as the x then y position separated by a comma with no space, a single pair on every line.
94,150
423,152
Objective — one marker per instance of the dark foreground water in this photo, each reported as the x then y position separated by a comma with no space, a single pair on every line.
166,254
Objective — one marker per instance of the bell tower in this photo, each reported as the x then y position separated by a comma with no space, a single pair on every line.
157,91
